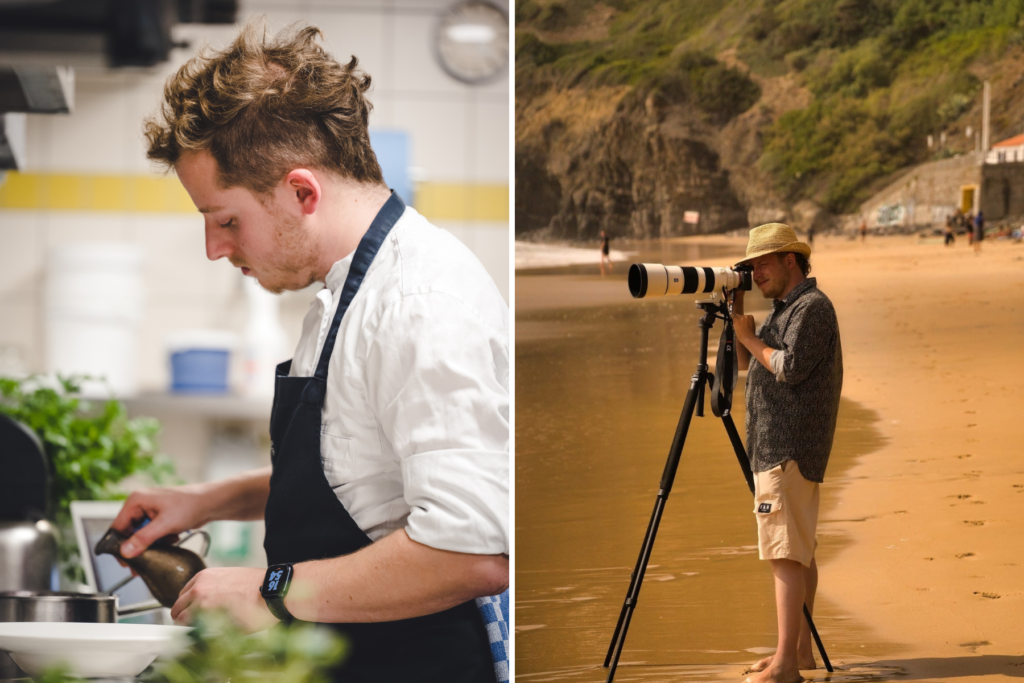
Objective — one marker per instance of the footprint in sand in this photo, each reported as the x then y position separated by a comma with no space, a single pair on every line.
963,555
990,596
975,522
965,455
961,496
975,645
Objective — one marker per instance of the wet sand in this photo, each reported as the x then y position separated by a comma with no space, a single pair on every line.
920,553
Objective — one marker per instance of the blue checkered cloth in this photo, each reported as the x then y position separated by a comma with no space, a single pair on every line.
494,610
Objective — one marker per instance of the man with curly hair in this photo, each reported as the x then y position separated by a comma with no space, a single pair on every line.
386,504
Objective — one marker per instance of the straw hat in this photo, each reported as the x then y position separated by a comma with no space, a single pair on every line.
773,238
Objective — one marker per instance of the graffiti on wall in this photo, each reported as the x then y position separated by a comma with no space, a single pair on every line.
892,214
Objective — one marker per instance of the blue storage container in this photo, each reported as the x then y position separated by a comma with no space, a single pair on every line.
200,361
200,370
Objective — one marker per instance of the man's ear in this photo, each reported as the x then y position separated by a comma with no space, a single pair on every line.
305,188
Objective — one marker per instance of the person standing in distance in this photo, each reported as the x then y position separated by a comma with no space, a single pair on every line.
792,398
386,505
605,252
979,231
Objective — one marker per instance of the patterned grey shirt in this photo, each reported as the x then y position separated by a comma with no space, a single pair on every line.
791,409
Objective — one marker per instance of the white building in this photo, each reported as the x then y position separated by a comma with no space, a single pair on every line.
1009,150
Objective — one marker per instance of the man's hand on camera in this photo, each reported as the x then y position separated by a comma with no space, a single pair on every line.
744,326
737,302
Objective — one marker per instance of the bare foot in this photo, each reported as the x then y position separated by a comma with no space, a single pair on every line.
806,664
775,675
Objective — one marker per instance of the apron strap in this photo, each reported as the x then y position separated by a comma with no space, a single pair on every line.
368,247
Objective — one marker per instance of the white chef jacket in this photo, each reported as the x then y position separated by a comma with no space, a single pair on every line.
415,427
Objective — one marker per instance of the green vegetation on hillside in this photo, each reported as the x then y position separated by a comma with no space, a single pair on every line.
884,74
640,51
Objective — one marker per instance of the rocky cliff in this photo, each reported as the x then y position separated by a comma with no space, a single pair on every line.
632,162
633,174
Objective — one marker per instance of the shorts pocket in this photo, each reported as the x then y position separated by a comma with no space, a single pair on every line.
768,491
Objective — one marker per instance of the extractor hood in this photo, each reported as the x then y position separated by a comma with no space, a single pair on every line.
103,33
41,41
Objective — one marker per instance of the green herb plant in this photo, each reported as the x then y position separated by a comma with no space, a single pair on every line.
92,447
221,652
300,653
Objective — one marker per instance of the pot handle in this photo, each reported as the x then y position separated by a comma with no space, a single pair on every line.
202,532
188,534
136,610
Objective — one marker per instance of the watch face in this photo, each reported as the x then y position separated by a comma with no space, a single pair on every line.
276,580
472,42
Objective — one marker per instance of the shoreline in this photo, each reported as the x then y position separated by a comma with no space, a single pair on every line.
534,256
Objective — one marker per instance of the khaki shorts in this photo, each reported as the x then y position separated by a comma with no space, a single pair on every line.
786,507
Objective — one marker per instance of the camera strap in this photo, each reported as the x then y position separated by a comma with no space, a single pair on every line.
726,372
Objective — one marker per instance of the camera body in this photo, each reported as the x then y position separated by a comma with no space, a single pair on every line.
648,280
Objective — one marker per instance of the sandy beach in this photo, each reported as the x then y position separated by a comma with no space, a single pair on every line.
931,341
930,561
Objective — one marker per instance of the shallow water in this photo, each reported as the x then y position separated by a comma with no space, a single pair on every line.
600,382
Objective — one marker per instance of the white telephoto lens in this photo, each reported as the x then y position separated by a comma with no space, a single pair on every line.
648,280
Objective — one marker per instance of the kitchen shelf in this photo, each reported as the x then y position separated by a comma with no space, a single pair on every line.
211,406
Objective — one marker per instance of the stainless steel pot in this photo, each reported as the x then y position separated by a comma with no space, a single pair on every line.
51,606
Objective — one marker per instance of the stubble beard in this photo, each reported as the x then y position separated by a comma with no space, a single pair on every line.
295,264
775,289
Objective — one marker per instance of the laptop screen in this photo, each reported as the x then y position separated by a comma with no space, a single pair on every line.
91,520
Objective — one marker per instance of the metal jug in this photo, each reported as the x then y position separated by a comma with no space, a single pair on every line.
165,567
28,555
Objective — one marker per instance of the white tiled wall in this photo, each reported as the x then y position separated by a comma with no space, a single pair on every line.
458,133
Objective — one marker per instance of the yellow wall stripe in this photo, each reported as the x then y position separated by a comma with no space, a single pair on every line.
442,201
164,194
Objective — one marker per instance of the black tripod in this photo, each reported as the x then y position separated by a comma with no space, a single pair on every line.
721,405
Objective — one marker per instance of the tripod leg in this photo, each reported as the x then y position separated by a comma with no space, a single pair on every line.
668,476
817,640
741,455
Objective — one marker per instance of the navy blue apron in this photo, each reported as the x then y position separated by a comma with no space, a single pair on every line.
306,521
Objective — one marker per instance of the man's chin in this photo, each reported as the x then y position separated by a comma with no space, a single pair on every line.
278,287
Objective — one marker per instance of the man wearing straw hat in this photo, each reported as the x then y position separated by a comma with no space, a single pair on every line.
792,402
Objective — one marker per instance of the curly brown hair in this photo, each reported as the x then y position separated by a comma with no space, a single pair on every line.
263,107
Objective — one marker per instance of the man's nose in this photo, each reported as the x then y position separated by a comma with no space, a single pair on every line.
218,242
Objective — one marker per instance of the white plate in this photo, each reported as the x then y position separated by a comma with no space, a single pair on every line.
90,650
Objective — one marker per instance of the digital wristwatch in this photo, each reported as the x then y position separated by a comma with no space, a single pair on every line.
274,589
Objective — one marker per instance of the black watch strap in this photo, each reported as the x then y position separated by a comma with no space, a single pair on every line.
274,588
277,608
